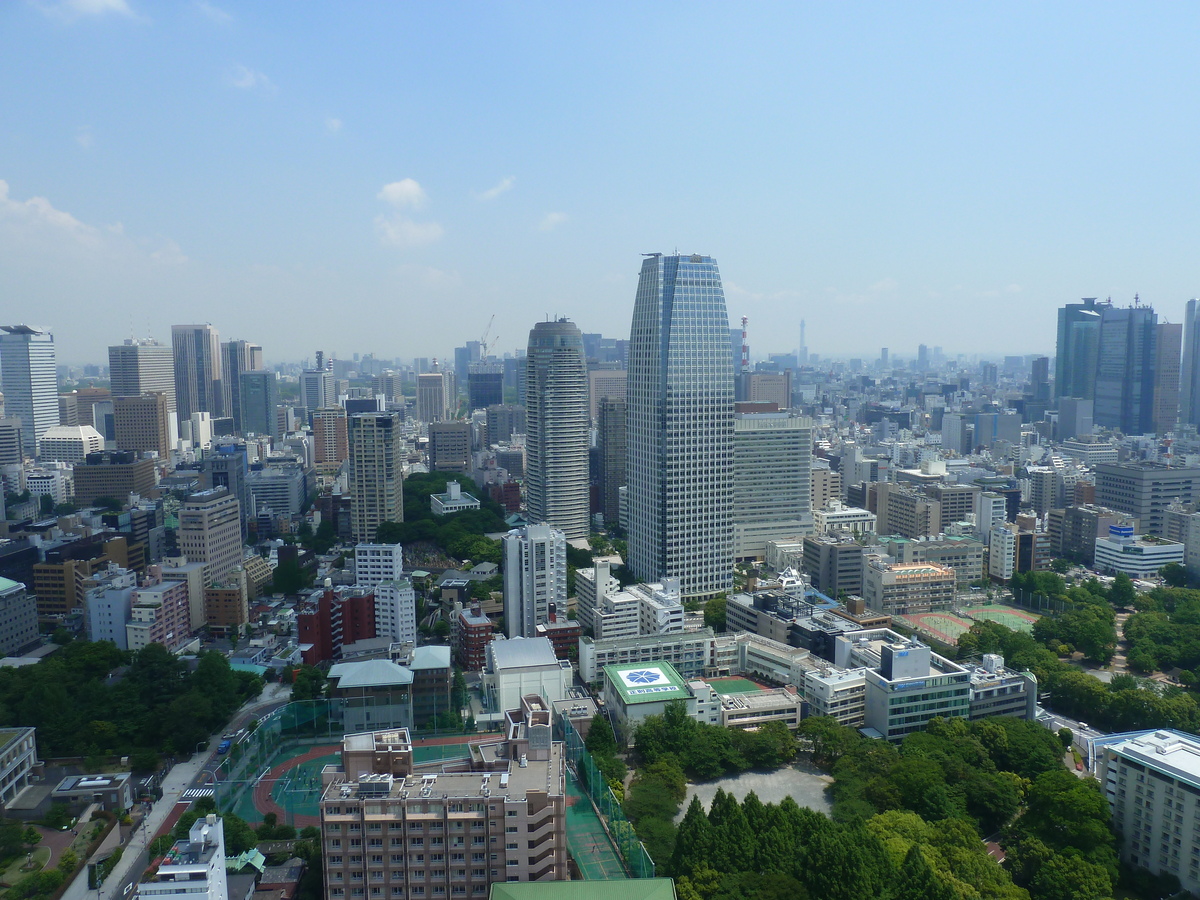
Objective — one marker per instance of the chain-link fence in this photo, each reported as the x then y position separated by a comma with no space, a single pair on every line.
638,863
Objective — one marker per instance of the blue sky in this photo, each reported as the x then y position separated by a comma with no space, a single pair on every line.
371,177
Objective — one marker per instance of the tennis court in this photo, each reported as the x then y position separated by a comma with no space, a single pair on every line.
1009,617
943,627
587,840
734,685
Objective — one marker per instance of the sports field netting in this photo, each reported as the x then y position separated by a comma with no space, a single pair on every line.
614,825
1016,619
590,847
734,685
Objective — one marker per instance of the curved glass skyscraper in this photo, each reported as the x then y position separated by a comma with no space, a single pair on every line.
556,429
680,427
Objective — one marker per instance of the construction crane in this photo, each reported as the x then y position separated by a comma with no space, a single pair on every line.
484,346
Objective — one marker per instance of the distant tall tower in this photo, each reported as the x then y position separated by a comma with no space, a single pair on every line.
680,427
1077,349
376,484
802,355
613,450
1166,377
556,428
139,367
1125,364
29,381
237,357
1189,400
259,403
198,386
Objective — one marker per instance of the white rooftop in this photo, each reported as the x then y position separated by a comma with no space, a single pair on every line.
1172,752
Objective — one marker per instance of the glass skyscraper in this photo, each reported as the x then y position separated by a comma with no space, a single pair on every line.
680,427
556,429
29,380
1078,347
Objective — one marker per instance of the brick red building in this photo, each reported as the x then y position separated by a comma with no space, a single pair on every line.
471,631
330,619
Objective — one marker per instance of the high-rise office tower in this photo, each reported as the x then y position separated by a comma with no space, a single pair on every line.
1166,377
1039,379
433,397
376,476
1077,350
210,532
143,423
228,466
198,385
772,487
680,427
318,387
139,367
1189,399
613,449
259,403
556,428
535,578
237,357
29,381
485,384
1125,362
450,447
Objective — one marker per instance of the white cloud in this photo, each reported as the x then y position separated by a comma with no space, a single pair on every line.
552,221
37,213
404,193
70,10
83,137
505,184
214,14
333,126
36,223
401,232
248,79
396,229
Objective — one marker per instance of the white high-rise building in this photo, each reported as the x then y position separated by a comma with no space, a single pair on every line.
680,429
535,576
374,563
29,381
376,473
198,386
396,610
556,428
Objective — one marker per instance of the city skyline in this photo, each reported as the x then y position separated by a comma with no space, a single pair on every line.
948,177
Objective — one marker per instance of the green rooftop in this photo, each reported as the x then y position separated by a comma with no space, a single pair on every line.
653,682
625,889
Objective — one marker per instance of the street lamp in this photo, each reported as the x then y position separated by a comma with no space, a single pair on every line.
200,745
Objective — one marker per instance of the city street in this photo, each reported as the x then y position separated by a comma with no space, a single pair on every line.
182,777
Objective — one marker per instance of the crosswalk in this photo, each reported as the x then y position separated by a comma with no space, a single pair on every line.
197,793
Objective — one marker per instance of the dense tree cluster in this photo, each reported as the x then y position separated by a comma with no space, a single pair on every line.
757,851
1123,705
709,751
92,699
1165,633
460,534
1086,621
